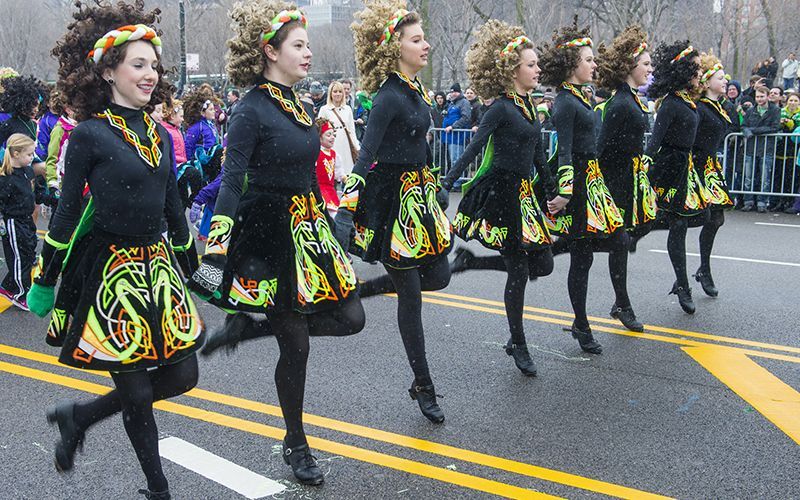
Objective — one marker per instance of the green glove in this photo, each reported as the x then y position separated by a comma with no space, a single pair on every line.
41,299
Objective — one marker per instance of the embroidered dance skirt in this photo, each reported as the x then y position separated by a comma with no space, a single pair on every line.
714,181
122,306
283,256
591,211
677,183
630,187
501,211
398,220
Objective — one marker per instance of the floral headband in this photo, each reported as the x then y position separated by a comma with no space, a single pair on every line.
513,44
685,52
578,42
283,17
708,74
119,36
391,25
641,48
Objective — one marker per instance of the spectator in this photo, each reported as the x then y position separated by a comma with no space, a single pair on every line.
734,92
172,121
776,96
361,114
748,96
763,118
233,100
475,106
439,109
459,117
543,113
538,97
340,115
348,92
318,96
438,146
790,67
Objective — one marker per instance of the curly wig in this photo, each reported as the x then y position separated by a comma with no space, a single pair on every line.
492,74
21,95
671,76
246,57
558,62
616,62
376,62
193,102
80,80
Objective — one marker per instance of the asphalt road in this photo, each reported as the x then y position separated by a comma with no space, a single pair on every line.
702,406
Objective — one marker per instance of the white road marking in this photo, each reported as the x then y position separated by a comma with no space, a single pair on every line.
228,474
741,259
775,224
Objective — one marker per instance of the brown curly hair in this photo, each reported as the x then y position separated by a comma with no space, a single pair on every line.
376,62
80,80
193,103
246,57
490,73
558,63
615,63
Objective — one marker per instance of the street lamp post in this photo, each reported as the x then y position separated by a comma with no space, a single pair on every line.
182,23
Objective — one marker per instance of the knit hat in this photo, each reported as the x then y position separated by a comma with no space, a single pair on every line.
456,87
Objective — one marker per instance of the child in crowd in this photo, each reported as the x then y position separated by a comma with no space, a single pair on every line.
329,170
17,203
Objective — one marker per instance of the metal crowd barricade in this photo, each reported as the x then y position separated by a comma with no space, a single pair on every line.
761,167
438,140
443,144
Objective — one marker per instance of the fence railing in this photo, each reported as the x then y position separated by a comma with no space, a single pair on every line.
763,165
760,165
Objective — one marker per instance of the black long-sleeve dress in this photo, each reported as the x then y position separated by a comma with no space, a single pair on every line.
398,220
279,248
620,147
591,211
677,184
499,207
714,124
121,282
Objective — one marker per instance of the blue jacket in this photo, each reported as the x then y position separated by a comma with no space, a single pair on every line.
458,116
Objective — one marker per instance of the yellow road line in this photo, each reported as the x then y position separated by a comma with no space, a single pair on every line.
477,458
765,392
616,331
360,454
661,329
4,304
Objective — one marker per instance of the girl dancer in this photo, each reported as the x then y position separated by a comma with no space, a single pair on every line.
712,128
272,249
398,220
624,67
584,211
499,207
680,193
132,315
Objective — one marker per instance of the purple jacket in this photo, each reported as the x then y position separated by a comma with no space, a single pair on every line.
202,134
46,124
208,195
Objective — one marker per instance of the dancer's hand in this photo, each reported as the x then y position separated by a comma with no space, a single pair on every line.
41,299
349,200
557,204
443,197
194,212
208,277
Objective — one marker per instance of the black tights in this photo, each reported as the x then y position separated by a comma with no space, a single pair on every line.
676,247
134,395
540,263
408,284
518,265
292,331
707,235
581,253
